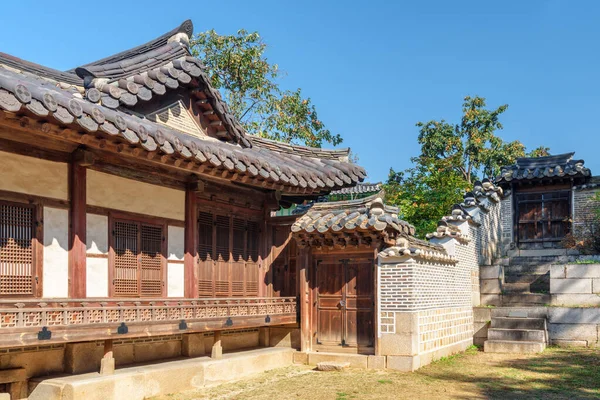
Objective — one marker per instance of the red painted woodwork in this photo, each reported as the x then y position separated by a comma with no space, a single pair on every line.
190,257
138,260
228,256
344,304
17,257
77,249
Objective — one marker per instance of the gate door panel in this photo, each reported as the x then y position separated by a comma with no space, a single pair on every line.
543,217
330,281
345,303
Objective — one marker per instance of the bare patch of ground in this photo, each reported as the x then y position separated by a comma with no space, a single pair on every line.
554,374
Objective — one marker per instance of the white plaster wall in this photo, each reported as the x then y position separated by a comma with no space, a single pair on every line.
96,277
176,242
97,234
175,280
33,176
56,252
118,193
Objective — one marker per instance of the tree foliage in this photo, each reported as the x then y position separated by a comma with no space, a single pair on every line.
237,65
452,157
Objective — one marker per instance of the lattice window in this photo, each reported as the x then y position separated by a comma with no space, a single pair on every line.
138,259
17,270
233,271
151,260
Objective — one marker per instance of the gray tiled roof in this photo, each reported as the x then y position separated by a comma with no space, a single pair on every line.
367,214
532,168
26,88
361,188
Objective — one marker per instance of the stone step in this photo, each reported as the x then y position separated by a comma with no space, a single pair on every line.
507,346
518,323
517,287
522,278
536,260
534,269
517,335
525,299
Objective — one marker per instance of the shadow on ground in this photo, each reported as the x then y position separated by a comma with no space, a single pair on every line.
555,374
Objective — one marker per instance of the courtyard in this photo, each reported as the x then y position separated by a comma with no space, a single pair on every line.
557,373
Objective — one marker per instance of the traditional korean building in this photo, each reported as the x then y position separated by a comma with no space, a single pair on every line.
135,216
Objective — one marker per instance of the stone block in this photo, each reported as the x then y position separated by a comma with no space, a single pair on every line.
583,270
124,354
565,315
569,343
83,357
491,299
499,346
192,345
355,360
332,366
300,358
491,272
4,396
570,286
491,286
375,362
575,299
285,337
531,312
403,363
239,340
480,329
482,314
587,332
558,272
407,322
596,286
399,344
107,366
151,351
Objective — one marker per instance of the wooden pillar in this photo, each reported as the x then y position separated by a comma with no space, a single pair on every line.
77,248
217,349
190,259
107,364
304,299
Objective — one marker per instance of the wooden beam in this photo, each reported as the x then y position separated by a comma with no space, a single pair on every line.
190,241
77,247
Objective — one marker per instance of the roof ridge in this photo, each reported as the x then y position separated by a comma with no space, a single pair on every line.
291,148
186,27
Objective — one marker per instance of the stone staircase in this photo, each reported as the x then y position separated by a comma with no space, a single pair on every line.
519,281
516,333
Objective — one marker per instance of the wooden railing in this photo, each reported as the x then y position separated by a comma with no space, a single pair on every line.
25,321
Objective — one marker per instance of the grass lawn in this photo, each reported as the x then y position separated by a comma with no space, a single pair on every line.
555,374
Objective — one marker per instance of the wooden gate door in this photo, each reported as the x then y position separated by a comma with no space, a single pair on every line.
344,305
543,217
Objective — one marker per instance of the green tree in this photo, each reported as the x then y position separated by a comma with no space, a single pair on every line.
238,67
452,157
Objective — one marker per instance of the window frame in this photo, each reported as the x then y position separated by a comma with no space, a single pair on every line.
37,245
141,220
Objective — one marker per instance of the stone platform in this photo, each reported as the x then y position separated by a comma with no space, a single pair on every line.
140,382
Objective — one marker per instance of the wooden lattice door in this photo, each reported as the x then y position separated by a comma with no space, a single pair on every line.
18,275
138,259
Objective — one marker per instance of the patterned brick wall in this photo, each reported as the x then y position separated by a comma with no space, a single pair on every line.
506,215
583,209
444,326
420,285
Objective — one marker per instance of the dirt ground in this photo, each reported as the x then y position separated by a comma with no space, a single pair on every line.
555,374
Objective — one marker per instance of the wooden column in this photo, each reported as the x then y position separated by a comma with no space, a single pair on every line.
190,259
77,248
304,299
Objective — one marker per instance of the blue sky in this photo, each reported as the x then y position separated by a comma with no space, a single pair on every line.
374,68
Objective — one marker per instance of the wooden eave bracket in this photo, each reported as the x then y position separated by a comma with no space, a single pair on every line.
84,157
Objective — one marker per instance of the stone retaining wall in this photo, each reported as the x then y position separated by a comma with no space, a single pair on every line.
575,284
567,326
